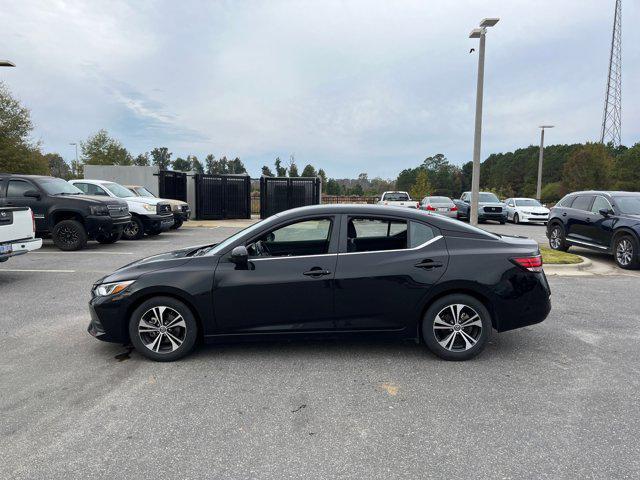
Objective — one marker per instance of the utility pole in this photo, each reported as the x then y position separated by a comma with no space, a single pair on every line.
477,138
612,117
540,159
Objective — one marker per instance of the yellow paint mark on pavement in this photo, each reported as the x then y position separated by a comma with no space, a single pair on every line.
390,389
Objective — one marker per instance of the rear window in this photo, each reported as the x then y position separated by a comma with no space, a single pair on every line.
396,197
445,200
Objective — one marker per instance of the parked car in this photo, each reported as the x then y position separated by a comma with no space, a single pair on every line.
148,215
397,199
63,211
329,270
600,220
440,205
17,232
489,207
526,210
181,211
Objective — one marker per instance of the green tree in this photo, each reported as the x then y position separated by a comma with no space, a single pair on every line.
323,177
142,160
422,187
161,157
280,170
626,169
587,168
182,165
332,188
236,166
266,171
406,179
309,171
551,192
57,166
101,149
210,163
196,165
292,171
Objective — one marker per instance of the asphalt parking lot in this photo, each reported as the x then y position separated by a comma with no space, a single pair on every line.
555,400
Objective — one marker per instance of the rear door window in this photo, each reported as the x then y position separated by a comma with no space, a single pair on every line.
583,202
373,234
419,234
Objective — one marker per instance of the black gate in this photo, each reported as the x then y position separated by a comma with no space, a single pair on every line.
172,185
223,196
282,193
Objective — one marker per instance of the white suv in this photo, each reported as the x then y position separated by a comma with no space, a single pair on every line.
148,215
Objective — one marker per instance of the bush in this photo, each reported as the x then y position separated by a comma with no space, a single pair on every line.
551,192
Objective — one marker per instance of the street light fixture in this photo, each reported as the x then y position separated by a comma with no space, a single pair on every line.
540,158
475,178
6,63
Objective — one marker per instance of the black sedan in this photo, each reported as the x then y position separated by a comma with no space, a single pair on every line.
329,271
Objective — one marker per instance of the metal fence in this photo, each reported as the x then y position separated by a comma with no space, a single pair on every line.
172,185
283,193
222,196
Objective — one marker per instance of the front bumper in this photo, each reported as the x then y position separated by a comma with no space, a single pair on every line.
181,215
497,216
158,222
109,318
533,218
97,224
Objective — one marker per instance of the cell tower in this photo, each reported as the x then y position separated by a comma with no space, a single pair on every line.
612,118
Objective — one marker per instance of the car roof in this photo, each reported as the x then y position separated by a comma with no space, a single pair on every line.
604,192
98,182
20,175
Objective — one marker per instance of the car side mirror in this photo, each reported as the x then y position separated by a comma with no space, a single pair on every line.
605,212
239,255
32,194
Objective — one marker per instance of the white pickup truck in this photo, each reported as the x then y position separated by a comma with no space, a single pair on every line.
398,199
17,232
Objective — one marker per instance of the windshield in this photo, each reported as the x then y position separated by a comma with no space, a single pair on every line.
528,202
488,198
220,247
57,186
143,192
118,190
629,205
396,197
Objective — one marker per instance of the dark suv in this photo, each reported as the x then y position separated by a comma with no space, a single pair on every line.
489,207
63,211
604,221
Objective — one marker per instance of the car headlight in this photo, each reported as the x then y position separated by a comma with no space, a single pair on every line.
106,289
526,213
99,210
149,207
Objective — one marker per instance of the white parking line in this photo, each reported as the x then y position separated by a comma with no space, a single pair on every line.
97,252
34,270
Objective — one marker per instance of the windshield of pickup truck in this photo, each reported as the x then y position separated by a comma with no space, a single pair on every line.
143,192
118,190
488,198
396,197
57,186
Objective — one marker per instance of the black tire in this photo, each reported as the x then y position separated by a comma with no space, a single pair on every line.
134,230
69,235
557,239
625,252
164,349
177,224
516,218
457,345
113,237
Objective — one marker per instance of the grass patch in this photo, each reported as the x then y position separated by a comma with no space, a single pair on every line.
551,257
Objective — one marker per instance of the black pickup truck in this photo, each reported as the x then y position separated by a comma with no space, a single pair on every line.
64,212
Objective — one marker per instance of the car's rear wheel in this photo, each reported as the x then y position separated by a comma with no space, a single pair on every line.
456,327
134,230
557,239
112,237
163,329
69,235
625,252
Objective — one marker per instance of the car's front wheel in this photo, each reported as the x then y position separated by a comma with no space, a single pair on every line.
625,252
163,329
69,235
134,230
456,327
557,239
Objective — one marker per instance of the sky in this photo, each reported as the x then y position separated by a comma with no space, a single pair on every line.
348,86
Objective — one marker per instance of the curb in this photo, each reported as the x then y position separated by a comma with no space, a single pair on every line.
567,268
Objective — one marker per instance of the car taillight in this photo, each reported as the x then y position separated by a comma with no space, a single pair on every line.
533,264
33,222
430,208
417,204
453,209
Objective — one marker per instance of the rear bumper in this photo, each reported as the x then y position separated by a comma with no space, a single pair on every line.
22,247
524,300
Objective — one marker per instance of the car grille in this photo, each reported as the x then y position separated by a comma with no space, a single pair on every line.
540,214
116,211
163,208
493,209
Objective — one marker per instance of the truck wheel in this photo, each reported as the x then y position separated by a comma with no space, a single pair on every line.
134,230
113,237
177,224
625,252
69,235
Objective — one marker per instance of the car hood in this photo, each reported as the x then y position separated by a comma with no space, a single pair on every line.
93,199
153,263
149,200
630,216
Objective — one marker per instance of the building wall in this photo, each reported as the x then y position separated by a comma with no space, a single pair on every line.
124,175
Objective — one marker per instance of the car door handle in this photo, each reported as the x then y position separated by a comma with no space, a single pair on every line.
316,272
564,214
588,219
428,264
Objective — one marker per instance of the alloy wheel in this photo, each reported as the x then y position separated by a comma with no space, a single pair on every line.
68,235
555,239
131,229
624,252
457,327
162,329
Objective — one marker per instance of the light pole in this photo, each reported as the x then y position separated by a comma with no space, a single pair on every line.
540,158
75,166
475,178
